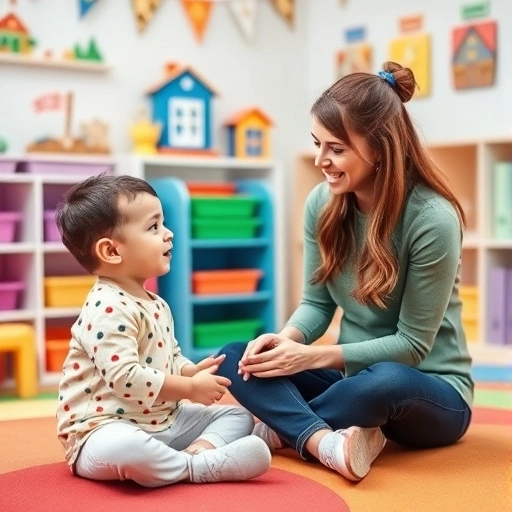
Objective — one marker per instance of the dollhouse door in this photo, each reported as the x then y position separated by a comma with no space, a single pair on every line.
186,123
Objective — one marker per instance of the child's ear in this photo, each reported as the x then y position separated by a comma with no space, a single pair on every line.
106,251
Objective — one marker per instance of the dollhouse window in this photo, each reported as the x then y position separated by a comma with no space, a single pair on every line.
186,122
254,142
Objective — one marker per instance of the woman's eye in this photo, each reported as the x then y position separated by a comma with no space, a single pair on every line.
337,151
316,143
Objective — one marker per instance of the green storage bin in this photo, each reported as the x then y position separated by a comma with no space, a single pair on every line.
225,228
234,206
217,334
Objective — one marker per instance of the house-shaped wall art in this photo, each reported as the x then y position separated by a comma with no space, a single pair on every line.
14,36
182,105
249,133
474,55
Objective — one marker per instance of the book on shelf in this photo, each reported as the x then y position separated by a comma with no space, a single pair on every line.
502,200
500,306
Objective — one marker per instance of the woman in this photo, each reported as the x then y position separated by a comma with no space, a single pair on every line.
382,240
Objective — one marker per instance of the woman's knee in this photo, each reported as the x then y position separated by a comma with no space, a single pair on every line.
235,350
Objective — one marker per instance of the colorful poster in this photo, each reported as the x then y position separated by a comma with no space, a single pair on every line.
355,58
474,50
413,51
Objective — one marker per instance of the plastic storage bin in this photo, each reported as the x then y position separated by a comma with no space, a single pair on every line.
56,352
216,334
10,292
201,188
8,224
51,233
215,207
7,166
225,228
67,291
226,281
56,167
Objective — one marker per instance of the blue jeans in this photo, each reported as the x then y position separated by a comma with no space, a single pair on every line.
411,407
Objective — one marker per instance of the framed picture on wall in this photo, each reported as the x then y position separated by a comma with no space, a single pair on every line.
413,51
474,50
355,58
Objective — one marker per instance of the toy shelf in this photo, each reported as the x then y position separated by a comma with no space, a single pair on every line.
72,65
468,166
29,186
265,251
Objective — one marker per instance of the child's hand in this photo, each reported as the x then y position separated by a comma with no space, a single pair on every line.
210,361
207,387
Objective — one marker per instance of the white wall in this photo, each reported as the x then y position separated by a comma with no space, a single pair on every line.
446,114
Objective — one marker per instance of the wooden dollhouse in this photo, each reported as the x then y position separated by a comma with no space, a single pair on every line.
14,36
249,133
182,105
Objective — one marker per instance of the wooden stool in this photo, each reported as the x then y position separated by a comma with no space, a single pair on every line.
20,340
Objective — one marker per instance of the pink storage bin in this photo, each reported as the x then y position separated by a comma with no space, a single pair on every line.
8,224
10,292
51,233
7,166
78,168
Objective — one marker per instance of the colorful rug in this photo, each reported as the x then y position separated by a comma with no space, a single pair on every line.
473,475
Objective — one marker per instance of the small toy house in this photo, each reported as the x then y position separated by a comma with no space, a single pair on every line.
182,105
249,133
14,36
474,55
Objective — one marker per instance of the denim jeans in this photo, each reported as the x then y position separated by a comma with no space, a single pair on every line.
411,407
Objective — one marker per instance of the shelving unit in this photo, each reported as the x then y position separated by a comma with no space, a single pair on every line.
468,165
41,62
29,259
262,179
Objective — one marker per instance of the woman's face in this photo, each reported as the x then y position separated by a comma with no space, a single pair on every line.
345,169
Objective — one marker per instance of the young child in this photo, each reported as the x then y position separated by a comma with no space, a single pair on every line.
121,414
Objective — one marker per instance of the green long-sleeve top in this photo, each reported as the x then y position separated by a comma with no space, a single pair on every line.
421,326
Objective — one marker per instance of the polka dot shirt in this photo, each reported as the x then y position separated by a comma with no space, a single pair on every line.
121,348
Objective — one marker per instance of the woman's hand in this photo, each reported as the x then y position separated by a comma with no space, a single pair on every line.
273,355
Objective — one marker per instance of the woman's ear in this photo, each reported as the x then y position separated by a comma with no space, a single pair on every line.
106,251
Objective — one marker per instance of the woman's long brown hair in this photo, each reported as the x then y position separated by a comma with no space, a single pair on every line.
372,107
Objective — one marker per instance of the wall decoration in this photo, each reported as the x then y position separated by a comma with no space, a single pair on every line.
14,35
249,133
356,57
85,6
474,55
94,133
144,11
89,53
412,50
244,12
198,13
286,8
182,104
475,10
145,134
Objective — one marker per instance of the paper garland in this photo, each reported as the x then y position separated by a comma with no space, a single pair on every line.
85,5
286,8
244,12
144,11
198,12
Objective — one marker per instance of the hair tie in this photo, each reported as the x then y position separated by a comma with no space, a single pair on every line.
389,77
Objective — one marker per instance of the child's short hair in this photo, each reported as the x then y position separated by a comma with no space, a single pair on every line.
89,211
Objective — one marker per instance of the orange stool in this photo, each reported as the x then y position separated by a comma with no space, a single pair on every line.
20,339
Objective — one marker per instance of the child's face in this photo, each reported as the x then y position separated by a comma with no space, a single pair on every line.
146,243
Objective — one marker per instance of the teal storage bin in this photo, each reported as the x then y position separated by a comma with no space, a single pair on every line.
225,228
231,207
217,334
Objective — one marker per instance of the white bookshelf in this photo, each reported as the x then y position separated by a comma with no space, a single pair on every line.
30,258
468,166
52,63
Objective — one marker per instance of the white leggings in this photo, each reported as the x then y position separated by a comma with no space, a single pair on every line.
121,450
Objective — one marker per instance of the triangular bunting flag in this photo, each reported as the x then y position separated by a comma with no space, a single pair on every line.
144,11
85,5
244,12
198,12
286,8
